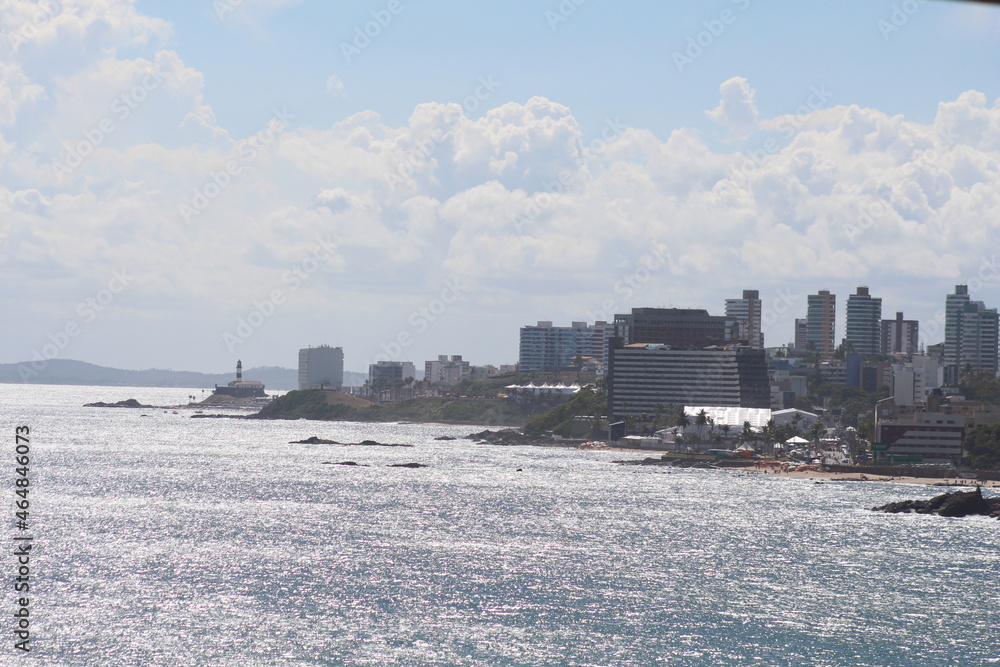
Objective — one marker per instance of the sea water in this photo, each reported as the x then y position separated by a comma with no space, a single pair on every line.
160,539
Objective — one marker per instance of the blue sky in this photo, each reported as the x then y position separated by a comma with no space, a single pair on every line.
603,59
804,146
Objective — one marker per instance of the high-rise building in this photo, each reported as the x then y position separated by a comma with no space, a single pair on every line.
746,312
954,304
545,346
821,319
801,333
321,368
970,335
864,322
642,378
900,336
677,327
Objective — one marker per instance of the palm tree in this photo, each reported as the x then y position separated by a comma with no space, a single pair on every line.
659,416
771,434
725,428
796,418
816,431
682,421
747,434
578,364
701,420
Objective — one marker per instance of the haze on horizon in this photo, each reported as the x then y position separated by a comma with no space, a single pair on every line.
368,173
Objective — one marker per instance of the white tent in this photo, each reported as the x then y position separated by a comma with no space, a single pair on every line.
796,440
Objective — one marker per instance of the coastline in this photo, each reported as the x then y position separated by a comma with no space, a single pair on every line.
821,476
850,477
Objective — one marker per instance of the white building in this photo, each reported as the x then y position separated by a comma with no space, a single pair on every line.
911,381
800,418
445,371
321,368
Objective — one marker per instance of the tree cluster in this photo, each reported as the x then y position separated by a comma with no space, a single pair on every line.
982,446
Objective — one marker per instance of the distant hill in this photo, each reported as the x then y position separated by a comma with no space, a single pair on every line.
68,371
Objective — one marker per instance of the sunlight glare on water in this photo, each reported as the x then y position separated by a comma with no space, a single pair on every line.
166,540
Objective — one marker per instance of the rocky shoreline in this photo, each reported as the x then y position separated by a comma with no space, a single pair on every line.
510,437
955,504
685,463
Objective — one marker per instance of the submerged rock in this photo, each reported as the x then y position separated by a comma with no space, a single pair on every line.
313,440
127,403
658,461
345,463
408,465
373,443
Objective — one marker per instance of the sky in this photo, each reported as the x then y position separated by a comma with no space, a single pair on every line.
185,184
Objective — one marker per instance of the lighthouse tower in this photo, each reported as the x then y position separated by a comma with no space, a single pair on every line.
240,388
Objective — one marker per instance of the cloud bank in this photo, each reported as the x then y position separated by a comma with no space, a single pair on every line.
110,161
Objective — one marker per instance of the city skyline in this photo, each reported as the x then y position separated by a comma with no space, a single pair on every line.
184,185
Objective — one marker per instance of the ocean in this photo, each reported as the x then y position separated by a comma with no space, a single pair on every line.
158,539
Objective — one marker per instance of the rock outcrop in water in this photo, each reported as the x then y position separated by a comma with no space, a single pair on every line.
509,437
127,403
957,504
313,440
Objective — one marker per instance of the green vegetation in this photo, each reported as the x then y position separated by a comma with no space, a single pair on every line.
980,386
462,411
313,404
852,401
983,447
586,402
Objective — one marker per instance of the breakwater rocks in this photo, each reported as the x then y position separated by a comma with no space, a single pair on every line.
509,437
957,504
313,440
127,403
